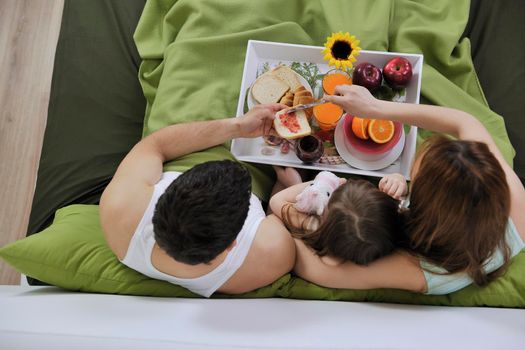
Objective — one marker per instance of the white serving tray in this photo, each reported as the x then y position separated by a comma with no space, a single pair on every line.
260,54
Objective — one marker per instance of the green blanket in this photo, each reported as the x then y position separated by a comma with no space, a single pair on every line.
193,51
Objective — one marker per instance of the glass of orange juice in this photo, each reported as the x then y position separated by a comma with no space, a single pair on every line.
333,78
327,115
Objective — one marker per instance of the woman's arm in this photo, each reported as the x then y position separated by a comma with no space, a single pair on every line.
357,100
398,270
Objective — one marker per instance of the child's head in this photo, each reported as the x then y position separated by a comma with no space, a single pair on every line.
358,225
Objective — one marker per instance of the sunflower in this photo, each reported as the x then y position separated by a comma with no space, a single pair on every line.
341,50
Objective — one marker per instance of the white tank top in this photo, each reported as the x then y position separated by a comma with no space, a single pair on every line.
138,256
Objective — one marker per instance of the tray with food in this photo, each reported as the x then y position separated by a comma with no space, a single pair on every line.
322,136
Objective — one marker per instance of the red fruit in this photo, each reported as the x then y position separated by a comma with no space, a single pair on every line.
367,75
397,72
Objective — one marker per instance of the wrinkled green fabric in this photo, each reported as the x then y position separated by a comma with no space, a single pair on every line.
193,50
73,254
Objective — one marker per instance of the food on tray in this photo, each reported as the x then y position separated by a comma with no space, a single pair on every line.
285,147
330,150
269,89
325,135
302,96
368,76
381,131
272,140
397,72
333,78
360,127
332,160
327,115
291,125
267,151
287,99
281,85
287,75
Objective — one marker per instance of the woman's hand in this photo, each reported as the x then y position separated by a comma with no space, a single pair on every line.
355,100
258,121
394,185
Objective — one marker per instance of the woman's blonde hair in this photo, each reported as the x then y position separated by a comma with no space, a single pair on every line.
459,208
359,224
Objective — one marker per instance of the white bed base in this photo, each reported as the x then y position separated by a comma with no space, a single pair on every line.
52,318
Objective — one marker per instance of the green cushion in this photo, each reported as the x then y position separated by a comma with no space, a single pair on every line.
73,254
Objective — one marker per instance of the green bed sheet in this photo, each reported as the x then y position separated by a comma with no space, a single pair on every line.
81,108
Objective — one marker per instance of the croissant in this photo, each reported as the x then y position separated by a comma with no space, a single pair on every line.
287,99
302,96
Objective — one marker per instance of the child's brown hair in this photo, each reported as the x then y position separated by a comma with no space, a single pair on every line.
359,224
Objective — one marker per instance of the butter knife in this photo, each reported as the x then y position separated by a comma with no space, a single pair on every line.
301,107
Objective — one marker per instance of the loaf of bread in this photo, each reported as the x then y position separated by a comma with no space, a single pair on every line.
269,89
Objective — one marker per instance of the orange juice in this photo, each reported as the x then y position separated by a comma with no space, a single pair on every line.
334,78
327,115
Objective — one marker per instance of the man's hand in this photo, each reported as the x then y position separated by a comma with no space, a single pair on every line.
394,185
259,120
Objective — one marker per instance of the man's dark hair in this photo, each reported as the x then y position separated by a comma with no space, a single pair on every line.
202,211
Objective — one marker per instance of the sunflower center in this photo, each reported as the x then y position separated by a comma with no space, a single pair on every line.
341,50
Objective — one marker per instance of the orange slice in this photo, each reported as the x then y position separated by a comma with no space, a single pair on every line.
360,127
381,131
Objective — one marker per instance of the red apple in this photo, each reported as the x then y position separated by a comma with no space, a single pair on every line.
367,75
397,72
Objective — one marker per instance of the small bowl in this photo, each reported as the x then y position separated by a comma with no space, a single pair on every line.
368,149
309,149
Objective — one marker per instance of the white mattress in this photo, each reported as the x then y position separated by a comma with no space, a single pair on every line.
51,318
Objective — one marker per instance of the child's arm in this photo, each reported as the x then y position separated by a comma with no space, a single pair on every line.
287,196
394,185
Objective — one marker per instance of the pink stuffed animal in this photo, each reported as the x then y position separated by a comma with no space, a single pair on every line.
315,197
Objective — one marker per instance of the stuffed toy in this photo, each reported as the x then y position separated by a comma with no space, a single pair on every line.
314,198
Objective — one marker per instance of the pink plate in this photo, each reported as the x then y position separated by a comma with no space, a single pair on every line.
369,147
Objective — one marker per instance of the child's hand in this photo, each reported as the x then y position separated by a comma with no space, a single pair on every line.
394,185
287,176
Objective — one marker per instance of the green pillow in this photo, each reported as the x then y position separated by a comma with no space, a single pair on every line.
73,254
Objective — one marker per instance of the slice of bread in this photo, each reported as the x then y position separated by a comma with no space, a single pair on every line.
287,75
269,89
291,126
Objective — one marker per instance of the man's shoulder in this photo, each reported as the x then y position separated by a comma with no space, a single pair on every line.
120,214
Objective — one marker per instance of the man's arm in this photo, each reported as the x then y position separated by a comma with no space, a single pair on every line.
126,197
